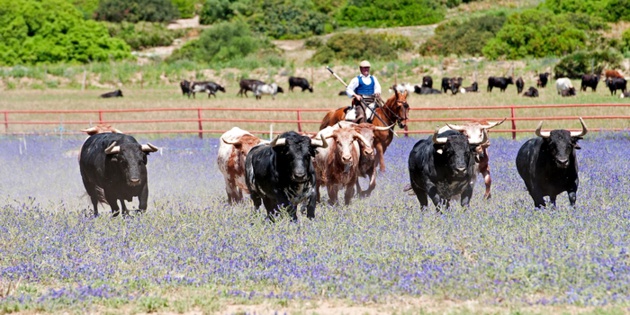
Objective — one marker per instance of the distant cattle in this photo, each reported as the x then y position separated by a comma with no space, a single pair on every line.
456,83
185,86
113,167
281,174
615,84
446,84
548,166
543,78
519,85
248,85
206,86
531,92
401,87
337,165
500,82
568,92
469,89
613,74
299,82
442,166
117,93
267,89
425,90
427,81
342,93
477,134
563,84
233,148
624,95
589,80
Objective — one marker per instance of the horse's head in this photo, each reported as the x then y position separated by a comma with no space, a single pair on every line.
399,108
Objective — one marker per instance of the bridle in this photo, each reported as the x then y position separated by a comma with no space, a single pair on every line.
389,113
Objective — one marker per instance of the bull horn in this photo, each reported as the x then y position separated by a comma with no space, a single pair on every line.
93,130
362,139
229,142
384,128
277,141
580,133
149,148
541,133
320,142
491,125
112,148
456,127
440,140
485,140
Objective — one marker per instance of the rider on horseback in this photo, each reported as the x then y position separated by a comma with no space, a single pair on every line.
364,91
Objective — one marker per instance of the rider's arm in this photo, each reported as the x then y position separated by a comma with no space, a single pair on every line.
354,83
377,86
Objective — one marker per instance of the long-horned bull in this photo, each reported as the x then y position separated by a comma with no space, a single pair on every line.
547,164
441,167
476,133
113,167
282,175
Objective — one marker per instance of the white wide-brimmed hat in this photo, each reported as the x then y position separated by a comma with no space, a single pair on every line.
365,63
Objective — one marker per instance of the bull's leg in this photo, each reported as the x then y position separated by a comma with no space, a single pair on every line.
488,181
380,156
113,203
125,212
349,193
332,194
272,208
310,208
572,197
91,191
433,194
466,195
256,199
143,198
552,199
421,195
539,200
233,192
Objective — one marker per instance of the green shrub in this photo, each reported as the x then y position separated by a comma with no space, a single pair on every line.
287,19
221,43
625,41
187,8
536,33
144,34
214,11
463,38
358,46
584,62
136,10
387,13
87,7
608,10
51,31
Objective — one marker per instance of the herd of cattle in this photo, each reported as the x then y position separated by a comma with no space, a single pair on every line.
259,88
289,170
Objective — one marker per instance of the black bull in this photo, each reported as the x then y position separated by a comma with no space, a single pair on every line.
281,174
548,166
113,167
442,166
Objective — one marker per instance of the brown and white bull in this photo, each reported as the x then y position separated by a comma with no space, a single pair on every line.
477,133
233,148
337,165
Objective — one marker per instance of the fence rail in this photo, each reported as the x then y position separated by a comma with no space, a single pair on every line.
203,120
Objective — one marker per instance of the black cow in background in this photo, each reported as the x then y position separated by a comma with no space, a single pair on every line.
206,86
531,92
548,166
113,167
185,86
425,90
568,92
500,82
474,87
519,85
117,93
281,174
446,84
442,166
299,82
543,78
427,81
248,85
615,84
589,80
456,83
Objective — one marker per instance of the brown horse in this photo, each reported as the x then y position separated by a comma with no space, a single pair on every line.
394,111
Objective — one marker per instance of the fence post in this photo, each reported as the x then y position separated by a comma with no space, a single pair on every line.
200,124
299,120
513,122
406,131
100,117
6,122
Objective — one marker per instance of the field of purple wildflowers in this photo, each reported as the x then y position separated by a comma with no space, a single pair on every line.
501,252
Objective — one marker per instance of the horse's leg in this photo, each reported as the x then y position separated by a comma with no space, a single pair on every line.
380,156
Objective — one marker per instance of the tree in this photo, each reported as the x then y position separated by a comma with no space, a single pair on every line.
136,10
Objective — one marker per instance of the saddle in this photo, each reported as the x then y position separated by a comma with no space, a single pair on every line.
368,101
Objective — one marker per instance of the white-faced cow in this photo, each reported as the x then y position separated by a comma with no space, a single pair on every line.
281,174
531,92
299,82
615,84
589,81
233,148
337,165
500,82
117,93
548,166
206,86
427,81
442,166
248,85
519,85
267,89
477,134
563,84
113,167
543,78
